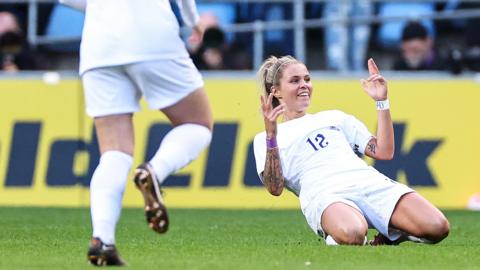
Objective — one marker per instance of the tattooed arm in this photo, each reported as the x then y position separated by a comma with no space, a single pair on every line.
272,176
383,146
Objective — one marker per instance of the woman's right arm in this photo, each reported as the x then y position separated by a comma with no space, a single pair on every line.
272,175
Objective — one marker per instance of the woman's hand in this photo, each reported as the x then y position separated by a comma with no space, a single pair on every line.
381,147
375,86
272,175
270,115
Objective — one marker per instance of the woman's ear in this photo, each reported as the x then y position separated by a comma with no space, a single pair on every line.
276,92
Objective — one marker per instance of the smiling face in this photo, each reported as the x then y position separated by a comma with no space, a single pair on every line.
294,90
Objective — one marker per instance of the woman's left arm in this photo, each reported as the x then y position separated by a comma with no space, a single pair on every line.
383,145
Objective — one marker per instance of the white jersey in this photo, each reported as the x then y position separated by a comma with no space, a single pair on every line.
317,152
118,32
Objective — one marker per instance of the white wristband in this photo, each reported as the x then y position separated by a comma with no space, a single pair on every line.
382,105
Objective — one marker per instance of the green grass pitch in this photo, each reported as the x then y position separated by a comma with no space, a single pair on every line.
57,238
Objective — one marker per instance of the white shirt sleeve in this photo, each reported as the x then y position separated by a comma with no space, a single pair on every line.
357,133
260,152
76,4
189,13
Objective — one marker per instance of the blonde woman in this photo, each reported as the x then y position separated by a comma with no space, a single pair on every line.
313,156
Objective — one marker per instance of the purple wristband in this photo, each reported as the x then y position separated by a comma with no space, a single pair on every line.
272,143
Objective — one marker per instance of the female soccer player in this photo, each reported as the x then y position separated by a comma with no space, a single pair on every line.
313,156
129,49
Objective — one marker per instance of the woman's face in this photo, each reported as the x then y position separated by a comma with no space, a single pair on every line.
295,89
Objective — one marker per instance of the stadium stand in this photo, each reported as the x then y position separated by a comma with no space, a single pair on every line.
252,30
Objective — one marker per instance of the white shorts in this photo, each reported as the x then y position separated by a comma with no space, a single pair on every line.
118,89
375,198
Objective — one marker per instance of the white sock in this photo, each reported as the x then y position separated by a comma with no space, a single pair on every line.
178,148
106,192
331,242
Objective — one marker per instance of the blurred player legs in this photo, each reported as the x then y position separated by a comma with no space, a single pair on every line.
120,61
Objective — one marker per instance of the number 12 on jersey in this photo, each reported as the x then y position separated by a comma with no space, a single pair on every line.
320,142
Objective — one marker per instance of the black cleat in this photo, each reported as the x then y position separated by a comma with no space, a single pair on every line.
382,240
100,254
155,210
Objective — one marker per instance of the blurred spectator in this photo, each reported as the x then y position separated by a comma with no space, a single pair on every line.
21,10
215,53
347,43
390,31
417,50
225,14
207,20
211,53
15,53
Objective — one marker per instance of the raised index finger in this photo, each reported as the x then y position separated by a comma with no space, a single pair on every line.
372,67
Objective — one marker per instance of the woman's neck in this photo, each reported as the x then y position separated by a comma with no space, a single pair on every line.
291,115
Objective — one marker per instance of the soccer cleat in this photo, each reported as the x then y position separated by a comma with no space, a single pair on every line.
155,210
100,254
380,239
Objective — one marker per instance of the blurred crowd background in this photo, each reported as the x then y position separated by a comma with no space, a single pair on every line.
326,34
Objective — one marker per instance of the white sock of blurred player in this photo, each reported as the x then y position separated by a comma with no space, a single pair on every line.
106,192
178,148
